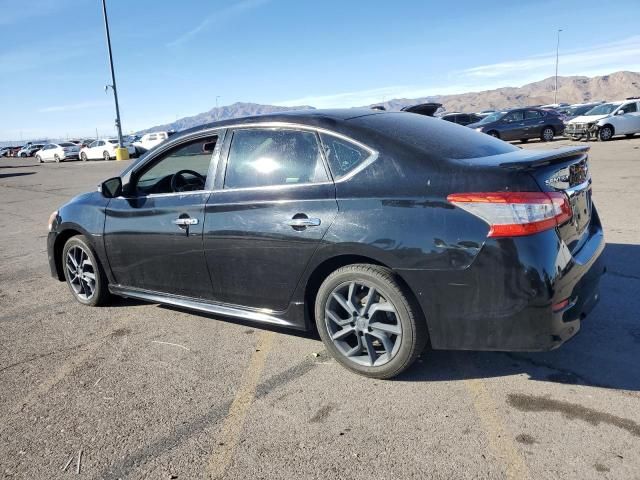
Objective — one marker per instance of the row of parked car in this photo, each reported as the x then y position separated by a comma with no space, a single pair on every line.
88,149
596,120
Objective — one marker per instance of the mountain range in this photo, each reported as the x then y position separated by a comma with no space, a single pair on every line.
575,89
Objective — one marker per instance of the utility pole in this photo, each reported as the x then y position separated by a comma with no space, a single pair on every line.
557,57
113,83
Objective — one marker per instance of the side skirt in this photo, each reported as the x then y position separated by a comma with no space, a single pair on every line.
202,306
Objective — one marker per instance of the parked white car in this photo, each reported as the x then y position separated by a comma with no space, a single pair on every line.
150,140
58,152
103,149
606,120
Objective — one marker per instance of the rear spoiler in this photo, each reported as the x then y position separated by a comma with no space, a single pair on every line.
531,159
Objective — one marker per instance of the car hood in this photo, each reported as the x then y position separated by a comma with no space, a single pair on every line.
587,118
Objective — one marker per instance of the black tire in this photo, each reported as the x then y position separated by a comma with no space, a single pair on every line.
524,140
605,133
100,294
547,134
493,133
23,155
83,156
413,333
39,158
106,156
56,158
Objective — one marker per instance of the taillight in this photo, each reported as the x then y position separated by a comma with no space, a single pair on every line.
513,214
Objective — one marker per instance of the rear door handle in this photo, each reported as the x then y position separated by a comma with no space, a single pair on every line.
304,222
185,222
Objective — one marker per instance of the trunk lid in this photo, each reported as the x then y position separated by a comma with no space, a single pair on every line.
561,170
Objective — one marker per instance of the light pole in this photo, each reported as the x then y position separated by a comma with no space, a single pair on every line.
557,56
113,82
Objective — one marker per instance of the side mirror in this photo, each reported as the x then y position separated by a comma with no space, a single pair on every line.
111,188
620,112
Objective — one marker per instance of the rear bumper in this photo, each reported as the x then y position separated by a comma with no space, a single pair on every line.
503,300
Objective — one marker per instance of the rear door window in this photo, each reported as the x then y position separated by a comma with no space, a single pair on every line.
343,156
268,157
532,115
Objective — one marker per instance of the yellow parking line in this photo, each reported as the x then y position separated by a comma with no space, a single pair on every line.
229,435
500,440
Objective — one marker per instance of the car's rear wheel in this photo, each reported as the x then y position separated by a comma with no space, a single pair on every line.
367,322
39,158
84,274
605,133
83,156
106,156
547,134
56,158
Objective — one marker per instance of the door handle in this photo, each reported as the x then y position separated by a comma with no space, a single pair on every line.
185,222
304,222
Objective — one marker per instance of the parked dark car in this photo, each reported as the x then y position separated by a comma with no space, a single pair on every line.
521,124
429,109
384,230
461,118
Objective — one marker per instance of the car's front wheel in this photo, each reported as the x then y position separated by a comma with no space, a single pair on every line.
83,156
605,133
367,322
84,274
547,134
106,156
39,158
56,157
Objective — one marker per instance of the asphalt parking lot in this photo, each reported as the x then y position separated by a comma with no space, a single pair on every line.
146,391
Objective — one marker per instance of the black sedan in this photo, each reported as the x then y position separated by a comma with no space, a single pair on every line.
521,124
386,231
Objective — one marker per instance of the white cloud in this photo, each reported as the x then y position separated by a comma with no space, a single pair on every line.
597,60
75,106
624,54
220,15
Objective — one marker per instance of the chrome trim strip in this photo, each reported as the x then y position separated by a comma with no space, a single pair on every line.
373,154
198,305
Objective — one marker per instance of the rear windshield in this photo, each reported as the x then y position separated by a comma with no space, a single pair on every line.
67,144
438,138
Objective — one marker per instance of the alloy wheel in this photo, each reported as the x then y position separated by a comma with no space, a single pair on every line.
605,133
547,134
362,324
106,156
81,272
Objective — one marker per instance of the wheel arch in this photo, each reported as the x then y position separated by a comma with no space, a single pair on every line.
329,265
58,245
610,125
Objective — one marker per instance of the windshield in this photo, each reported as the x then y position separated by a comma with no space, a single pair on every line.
604,109
492,118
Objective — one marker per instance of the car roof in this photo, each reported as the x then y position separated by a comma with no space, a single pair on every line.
322,118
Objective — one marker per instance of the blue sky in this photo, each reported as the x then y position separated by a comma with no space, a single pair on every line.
173,58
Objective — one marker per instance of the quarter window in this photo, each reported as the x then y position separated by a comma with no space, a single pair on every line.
266,157
343,156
